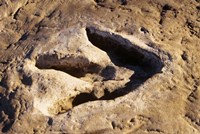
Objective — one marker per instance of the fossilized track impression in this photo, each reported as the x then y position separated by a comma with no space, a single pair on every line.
114,66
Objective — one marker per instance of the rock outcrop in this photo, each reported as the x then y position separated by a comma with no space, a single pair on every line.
99,66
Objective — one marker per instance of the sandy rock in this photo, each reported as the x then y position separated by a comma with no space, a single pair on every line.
53,90
99,66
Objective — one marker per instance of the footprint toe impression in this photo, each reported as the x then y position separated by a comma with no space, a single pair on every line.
87,65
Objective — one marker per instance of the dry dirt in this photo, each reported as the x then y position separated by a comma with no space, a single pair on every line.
100,66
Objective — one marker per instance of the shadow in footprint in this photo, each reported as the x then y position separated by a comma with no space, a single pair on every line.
123,54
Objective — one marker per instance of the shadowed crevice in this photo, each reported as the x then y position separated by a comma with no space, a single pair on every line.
122,53
75,66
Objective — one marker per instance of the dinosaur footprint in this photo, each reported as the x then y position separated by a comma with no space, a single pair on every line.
81,65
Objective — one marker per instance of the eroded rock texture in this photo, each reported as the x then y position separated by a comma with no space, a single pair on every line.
99,66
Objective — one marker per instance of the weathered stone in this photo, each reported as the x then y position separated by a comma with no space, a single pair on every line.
99,66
